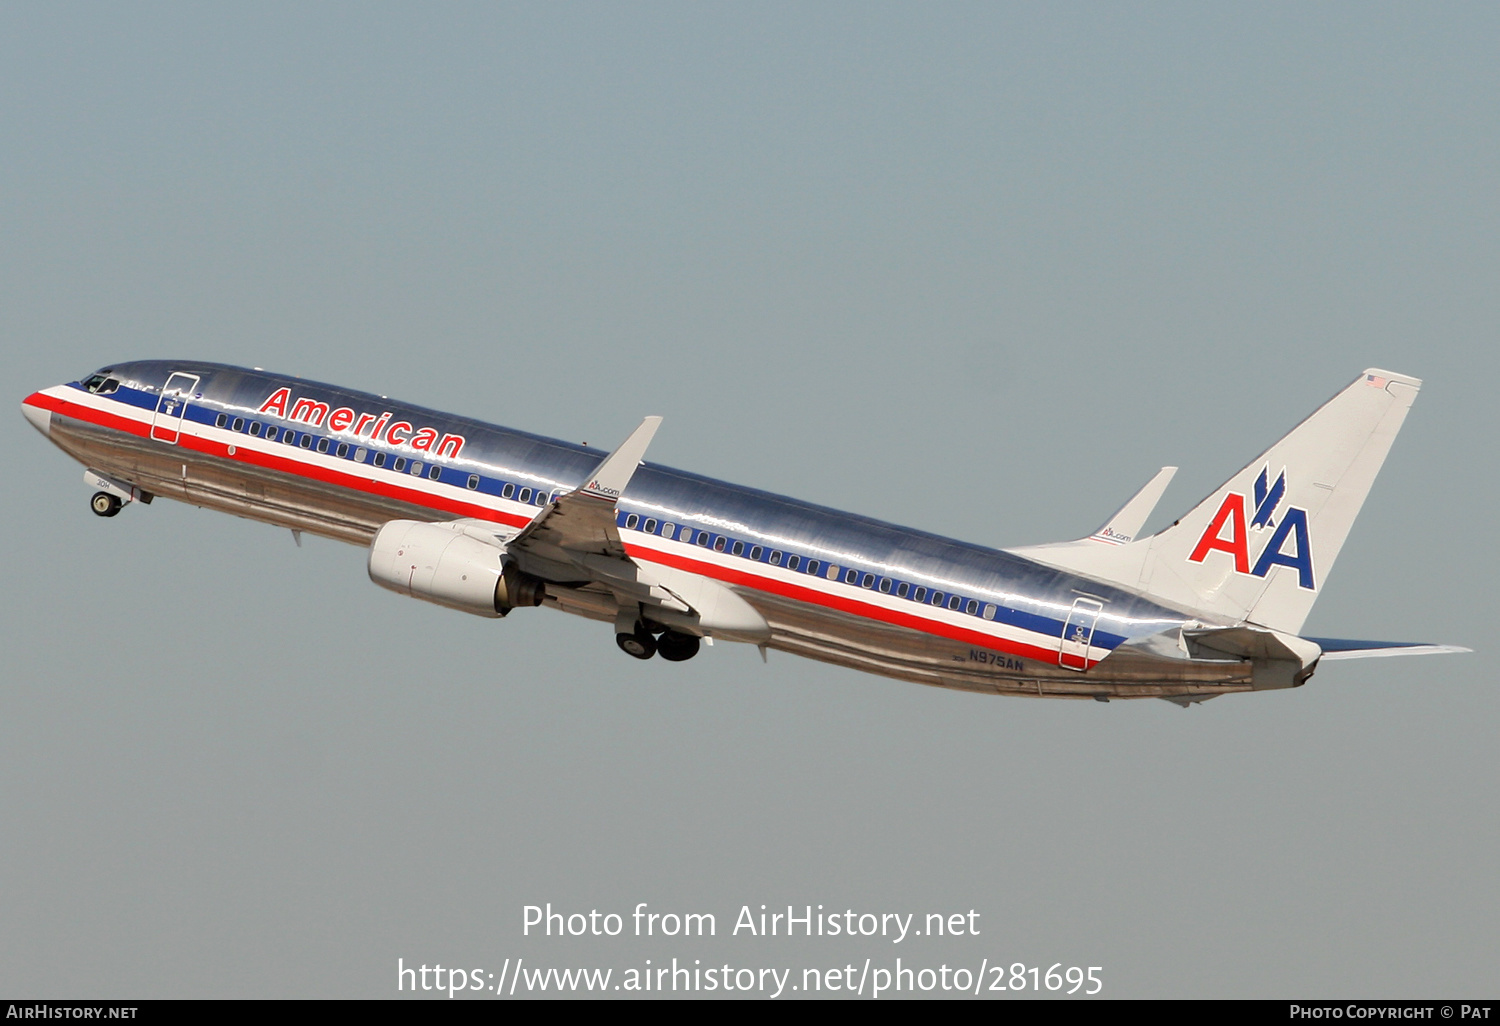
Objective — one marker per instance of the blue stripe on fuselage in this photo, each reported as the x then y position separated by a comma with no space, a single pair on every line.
916,558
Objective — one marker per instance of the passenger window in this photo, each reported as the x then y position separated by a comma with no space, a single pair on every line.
719,543
271,433
686,534
953,601
399,465
255,429
416,468
812,566
867,581
525,495
832,573
756,552
343,450
885,585
702,537
473,481
541,498
631,521
937,598
850,576
971,607
380,459
239,424
307,441
507,491
739,548
323,444
990,610
901,589
290,438
221,420
775,557
359,455
433,472
920,595
793,561
669,531
649,527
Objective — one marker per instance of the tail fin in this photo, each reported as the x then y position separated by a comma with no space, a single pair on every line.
1259,548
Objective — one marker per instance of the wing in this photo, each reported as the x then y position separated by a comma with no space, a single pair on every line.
575,541
582,522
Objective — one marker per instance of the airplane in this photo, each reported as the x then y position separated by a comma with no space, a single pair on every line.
487,520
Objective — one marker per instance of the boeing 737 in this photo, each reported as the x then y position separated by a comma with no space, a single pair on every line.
487,520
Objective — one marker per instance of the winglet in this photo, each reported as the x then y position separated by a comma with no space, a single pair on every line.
615,471
1122,528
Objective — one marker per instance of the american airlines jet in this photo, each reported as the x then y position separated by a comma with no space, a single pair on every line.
487,520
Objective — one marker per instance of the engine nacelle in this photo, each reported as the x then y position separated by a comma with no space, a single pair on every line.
441,564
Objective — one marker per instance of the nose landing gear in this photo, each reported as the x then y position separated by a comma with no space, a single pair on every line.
104,504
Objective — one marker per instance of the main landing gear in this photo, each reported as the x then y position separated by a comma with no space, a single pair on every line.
104,504
639,644
677,648
673,646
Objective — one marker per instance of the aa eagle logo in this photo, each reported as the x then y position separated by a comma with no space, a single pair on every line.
1229,531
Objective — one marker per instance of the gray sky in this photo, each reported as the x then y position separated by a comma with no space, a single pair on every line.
977,269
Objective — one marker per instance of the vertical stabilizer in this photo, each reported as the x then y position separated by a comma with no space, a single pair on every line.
1260,547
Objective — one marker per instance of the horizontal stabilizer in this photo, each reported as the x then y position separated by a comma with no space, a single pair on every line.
1248,643
1343,648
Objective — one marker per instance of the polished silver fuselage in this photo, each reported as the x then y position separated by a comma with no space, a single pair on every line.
999,628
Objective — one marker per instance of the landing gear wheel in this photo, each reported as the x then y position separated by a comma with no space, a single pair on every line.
675,647
640,644
104,504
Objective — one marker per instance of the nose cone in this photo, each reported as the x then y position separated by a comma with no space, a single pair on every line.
40,418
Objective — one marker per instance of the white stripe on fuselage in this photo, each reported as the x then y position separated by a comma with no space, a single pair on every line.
423,487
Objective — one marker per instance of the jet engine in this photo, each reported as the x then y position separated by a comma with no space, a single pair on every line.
442,564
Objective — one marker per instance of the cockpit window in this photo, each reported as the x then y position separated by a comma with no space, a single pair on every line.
101,383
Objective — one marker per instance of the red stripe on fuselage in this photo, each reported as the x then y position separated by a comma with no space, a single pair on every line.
270,461
86,413
865,610
800,593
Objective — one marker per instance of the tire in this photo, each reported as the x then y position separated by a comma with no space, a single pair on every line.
675,647
104,504
640,645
